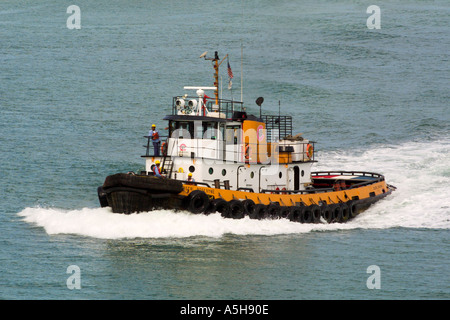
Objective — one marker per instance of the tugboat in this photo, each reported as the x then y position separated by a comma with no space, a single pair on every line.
219,158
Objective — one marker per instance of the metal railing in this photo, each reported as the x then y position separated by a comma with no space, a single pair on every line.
150,146
277,126
376,177
279,152
227,107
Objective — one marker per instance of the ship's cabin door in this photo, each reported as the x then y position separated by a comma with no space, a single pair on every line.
296,178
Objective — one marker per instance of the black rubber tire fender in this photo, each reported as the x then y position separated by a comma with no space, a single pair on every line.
307,215
249,206
352,208
284,211
327,213
273,211
316,213
295,213
222,206
345,212
337,212
236,209
260,212
198,201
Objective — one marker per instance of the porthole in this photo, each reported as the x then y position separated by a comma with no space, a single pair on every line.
252,174
224,172
191,169
280,174
211,170
303,173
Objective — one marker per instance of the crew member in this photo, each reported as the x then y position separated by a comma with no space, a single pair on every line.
157,170
190,179
154,134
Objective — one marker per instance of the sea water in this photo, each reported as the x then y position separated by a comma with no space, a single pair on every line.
76,103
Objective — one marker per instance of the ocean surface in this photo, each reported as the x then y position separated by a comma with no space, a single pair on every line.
76,103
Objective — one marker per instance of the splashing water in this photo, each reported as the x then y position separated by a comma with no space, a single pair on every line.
419,170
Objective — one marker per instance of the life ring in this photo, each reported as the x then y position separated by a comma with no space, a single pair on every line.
164,148
309,150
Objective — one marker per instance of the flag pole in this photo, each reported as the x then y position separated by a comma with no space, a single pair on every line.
242,56
242,72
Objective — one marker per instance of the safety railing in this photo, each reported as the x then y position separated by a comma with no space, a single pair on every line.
371,177
248,153
227,107
149,148
277,126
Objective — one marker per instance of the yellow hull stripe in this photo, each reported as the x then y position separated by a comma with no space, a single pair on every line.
292,199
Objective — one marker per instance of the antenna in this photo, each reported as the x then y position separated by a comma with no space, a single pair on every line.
279,109
279,116
242,56
242,72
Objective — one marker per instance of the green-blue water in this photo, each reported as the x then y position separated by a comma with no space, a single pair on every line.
75,105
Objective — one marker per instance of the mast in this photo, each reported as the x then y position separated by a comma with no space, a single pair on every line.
216,76
242,55
216,65
242,72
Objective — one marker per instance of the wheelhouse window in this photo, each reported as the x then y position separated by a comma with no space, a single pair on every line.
233,134
181,129
210,130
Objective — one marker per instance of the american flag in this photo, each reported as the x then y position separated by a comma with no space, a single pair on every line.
230,73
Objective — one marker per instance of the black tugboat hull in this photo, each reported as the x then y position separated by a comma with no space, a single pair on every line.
129,193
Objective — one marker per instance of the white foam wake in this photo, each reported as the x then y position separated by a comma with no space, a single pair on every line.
421,173
102,223
419,170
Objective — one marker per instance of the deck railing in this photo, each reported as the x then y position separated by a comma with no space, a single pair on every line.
227,107
273,152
